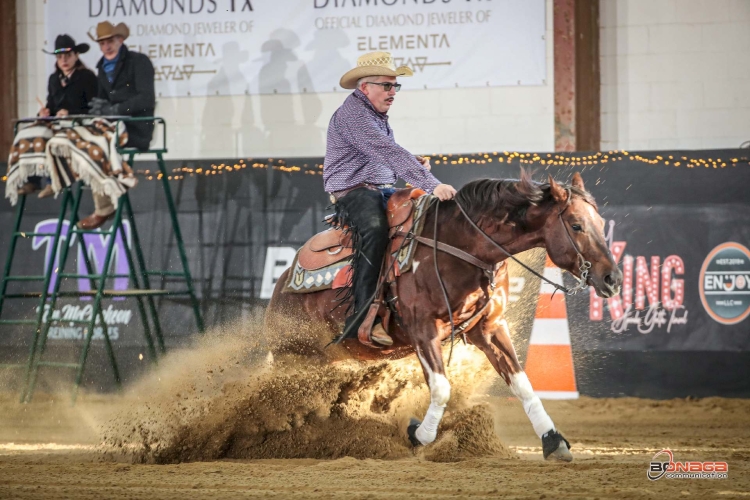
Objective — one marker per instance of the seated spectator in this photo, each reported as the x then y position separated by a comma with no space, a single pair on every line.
71,86
126,88
66,151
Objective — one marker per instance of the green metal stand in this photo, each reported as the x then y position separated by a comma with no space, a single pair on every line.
139,280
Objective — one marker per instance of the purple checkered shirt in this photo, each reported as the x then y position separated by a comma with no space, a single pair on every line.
361,149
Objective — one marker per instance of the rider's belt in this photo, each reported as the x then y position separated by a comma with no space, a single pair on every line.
337,195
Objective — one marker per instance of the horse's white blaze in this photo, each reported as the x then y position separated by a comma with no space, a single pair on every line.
440,393
414,266
532,405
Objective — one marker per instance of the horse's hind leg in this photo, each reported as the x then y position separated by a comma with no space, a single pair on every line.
431,357
493,338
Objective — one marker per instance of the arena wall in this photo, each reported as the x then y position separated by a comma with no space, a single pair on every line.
666,214
675,74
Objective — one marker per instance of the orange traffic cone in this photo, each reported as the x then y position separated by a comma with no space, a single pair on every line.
549,362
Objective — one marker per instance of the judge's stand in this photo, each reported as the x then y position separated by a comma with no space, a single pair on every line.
121,237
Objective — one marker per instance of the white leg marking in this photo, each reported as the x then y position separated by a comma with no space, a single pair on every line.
440,393
521,387
414,266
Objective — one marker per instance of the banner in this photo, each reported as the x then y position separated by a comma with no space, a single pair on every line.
237,47
681,236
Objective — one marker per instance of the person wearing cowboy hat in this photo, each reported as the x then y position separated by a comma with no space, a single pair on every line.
362,163
72,85
126,87
70,89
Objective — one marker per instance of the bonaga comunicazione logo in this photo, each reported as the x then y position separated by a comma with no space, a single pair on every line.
659,468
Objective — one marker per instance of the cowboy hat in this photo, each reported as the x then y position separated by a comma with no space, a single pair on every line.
106,30
373,64
65,43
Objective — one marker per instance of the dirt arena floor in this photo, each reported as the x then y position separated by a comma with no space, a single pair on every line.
204,425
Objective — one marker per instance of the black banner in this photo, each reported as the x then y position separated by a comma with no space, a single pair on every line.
678,223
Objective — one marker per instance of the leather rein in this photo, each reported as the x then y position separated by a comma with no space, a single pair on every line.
490,269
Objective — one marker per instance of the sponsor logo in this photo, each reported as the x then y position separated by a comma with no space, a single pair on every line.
670,469
725,283
95,248
652,293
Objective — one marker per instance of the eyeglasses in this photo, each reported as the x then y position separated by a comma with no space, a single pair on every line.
387,86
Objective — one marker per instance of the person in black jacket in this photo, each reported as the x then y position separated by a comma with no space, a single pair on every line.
70,88
126,87
72,85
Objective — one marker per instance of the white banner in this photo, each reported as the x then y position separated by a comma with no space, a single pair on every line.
231,47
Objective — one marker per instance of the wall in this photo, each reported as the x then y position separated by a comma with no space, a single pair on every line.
675,74
426,121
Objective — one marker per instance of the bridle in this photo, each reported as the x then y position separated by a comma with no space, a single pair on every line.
584,265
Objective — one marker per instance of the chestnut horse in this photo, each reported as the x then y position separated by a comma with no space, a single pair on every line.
515,215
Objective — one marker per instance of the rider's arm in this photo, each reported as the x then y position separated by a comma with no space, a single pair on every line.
364,134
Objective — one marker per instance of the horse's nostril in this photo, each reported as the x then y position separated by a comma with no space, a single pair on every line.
608,280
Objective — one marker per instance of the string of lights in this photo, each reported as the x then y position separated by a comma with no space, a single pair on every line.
545,160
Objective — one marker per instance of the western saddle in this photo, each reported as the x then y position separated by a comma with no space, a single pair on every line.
335,244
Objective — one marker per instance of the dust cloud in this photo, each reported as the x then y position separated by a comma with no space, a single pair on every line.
227,398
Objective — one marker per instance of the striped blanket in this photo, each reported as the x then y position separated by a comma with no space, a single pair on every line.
66,152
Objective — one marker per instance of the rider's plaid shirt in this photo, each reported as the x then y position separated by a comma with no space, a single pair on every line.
361,149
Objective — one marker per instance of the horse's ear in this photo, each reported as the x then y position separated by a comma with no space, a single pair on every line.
578,181
557,192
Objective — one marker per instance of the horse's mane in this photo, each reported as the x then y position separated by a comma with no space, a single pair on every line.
509,199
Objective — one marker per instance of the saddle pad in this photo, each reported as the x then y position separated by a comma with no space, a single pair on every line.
302,280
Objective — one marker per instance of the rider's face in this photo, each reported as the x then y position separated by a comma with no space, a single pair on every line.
378,96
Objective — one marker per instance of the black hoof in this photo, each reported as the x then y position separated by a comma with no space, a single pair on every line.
412,432
556,447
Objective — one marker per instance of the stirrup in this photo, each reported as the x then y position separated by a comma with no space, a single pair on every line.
383,339
364,334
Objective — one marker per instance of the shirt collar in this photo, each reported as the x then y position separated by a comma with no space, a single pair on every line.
362,97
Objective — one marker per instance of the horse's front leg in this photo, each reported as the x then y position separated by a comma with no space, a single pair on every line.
431,358
492,336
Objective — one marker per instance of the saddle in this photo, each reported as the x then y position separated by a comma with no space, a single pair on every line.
335,244
326,256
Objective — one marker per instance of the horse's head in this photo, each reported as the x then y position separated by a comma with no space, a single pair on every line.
574,236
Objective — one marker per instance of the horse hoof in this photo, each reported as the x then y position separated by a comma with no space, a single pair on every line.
412,432
556,447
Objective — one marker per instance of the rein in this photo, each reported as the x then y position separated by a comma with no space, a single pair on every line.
584,264
489,269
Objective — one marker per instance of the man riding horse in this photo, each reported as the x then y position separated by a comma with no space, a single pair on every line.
362,163
457,280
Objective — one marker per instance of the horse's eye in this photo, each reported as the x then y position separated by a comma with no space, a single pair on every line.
577,228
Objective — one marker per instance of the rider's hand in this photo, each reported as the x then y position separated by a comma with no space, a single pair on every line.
62,113
425,162
44,112
444,192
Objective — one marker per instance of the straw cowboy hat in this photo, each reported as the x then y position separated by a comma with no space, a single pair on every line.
106,30
373,64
